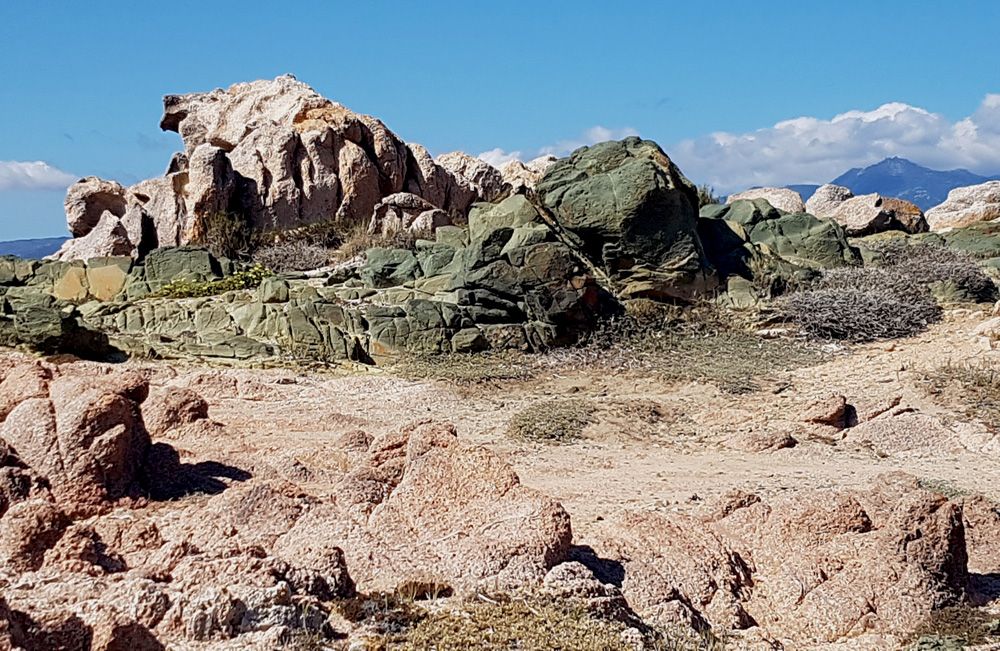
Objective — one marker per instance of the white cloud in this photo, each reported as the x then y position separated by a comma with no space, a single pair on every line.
37,175
497,157
813,150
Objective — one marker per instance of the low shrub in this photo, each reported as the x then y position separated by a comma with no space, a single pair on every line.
552,421
297,255
862,304
928,265
228,235
358,240
247,279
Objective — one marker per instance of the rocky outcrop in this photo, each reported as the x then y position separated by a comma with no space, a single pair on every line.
781,198
522,177
826,199
482,178
814,570
627,208
866,214
405,212
244,559
277,155
967,206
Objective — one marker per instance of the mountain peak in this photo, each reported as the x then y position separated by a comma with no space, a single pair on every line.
898,177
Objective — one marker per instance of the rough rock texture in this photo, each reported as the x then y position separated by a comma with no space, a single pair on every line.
826,199
835,565
278,155
83,434
481,177
967,206
88,199
525,176
406,212
214,553
781,198
628,208
109,237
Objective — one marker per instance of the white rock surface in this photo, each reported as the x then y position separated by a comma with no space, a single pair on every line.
967,206
780,198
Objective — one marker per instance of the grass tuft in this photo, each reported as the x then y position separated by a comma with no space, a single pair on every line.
552,421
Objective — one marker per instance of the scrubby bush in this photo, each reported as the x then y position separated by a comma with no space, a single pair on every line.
894,297
552,421
297,255
931,265
862,304
228,235
247,279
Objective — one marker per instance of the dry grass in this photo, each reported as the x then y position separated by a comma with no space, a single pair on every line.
673,344
552,421
357,240
929,265
974,387
956,628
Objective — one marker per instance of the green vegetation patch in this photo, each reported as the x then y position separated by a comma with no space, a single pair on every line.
247,279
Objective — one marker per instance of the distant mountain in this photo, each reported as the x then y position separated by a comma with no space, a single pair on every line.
898,177
38,248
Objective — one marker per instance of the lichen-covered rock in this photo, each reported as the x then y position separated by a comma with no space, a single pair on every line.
628,208
798,238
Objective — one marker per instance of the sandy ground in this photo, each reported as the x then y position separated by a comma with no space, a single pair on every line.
652,445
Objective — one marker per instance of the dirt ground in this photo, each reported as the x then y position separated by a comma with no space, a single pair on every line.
650,445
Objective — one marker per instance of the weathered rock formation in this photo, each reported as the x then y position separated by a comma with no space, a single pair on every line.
525,176
865,214
198,560
628,209
967,206
781,198
275,154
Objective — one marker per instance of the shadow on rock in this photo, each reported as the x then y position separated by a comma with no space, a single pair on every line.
984,589
604,569
167,478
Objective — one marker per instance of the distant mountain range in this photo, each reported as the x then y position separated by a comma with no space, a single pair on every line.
37,248
898,177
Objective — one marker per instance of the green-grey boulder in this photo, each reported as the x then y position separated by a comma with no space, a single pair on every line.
630,212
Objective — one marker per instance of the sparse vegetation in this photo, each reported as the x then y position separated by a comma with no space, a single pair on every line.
976,387
706,196
957,627
228,235
246,279
937,266
297,255
358,240
862,304
552,421
895,297
943,487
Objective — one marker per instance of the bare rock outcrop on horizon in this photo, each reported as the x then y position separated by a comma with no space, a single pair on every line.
277,154
865,214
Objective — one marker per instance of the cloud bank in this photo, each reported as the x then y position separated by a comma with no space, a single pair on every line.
497,157
813,150
37,175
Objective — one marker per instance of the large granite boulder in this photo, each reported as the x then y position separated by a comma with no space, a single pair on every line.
781,198
967,206
628,209
865,214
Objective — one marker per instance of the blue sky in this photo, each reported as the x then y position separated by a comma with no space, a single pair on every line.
82,82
